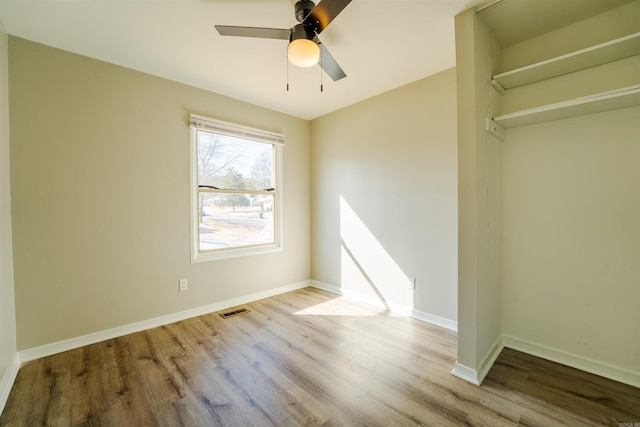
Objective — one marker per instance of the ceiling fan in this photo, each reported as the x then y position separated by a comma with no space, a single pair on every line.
305,48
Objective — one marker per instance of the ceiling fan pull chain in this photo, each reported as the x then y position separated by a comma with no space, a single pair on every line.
286,59
320,67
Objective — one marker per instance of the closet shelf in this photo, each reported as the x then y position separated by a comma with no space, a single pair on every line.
611,100
612,50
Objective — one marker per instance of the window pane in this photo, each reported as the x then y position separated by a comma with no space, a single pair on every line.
235,219
234,163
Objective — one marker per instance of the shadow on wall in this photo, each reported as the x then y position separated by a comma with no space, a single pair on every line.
367,269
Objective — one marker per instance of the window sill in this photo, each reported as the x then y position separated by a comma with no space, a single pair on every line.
233,253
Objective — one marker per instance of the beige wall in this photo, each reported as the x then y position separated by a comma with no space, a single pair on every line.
384,202
100,193
7,311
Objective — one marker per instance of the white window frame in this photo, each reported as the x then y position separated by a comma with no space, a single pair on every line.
231,129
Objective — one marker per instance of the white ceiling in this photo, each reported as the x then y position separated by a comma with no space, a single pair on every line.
380,44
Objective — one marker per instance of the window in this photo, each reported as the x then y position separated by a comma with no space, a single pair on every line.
236,198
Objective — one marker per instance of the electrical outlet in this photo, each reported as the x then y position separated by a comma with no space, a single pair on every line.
182,285
411,283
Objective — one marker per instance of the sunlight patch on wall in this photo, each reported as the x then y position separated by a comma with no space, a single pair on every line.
366,266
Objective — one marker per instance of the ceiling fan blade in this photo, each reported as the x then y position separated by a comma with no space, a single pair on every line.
324,12
263,33
329,64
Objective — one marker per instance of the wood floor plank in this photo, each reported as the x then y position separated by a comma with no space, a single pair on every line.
88,384
357,363
206,383
564,393
304,358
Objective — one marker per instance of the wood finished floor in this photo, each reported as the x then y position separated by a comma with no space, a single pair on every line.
303,358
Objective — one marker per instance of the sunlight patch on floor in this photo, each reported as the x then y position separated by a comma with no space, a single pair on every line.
344,307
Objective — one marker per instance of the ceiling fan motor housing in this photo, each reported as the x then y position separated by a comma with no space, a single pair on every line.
303,8
301,31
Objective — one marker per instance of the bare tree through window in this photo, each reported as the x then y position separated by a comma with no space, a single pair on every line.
235,191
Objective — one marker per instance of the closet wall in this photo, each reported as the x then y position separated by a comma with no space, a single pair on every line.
564,95
571,195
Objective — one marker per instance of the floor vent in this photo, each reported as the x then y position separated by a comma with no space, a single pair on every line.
234,313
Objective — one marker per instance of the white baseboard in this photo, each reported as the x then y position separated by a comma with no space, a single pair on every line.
461,371
477,376
395,308
349,294
72,343
7,380
582,363
490,358
326,287
466,373
573,360
443,322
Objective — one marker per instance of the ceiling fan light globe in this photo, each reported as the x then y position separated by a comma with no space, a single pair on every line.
303,52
